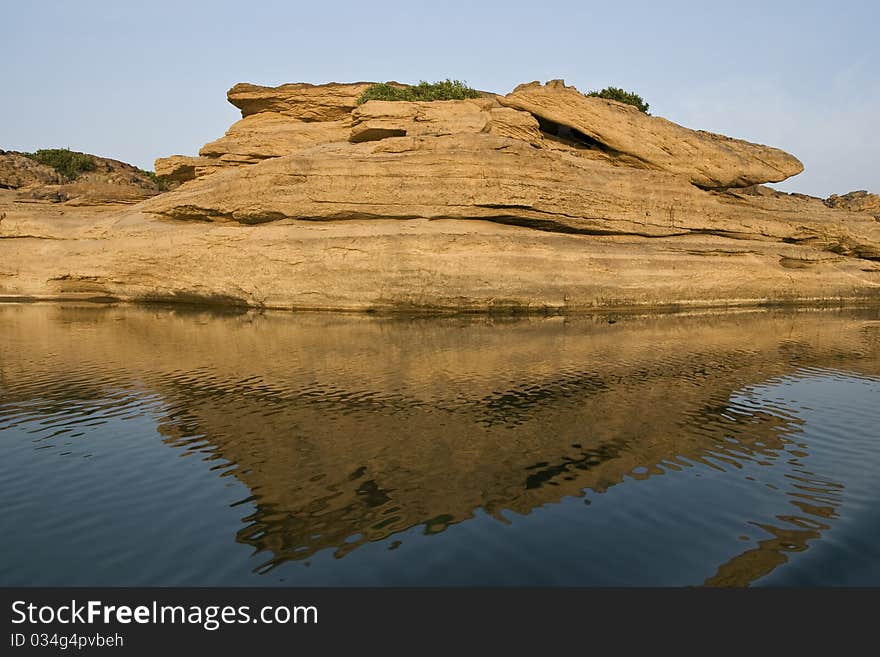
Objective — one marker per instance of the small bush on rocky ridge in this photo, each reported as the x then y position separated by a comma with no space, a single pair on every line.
621,96
445,90
66,162
162,184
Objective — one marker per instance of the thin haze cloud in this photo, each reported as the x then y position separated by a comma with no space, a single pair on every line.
136,81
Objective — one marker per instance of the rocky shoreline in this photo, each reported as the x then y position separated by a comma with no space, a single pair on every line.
543,200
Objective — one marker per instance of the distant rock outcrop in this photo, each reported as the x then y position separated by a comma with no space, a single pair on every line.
860,201
18,171
109,181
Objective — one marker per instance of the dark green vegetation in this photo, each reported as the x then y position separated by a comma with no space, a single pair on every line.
161,183
445,90
621,96
66,162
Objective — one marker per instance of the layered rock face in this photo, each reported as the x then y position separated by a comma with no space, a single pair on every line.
482,177
378,119
275,121
541,200
266,135
302,101
255,138
703,158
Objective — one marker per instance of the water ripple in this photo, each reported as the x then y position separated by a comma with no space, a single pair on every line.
327,449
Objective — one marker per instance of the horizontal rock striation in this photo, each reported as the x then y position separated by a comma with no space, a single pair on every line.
482,176
270,134
378,119
276,121
445,265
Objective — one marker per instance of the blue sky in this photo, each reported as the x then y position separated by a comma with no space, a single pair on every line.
136,81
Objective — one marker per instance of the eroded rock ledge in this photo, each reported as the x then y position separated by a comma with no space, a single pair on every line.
541,200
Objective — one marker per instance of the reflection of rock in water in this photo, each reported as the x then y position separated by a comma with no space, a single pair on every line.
348,430
351,472
814,496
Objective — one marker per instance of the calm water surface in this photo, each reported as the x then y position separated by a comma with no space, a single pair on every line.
165,447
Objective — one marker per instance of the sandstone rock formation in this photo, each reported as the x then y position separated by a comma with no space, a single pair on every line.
306,102
270,134
180,168
275,121
284,120
542,200
704,158
255,138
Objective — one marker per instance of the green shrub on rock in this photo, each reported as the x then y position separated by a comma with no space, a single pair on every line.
621,96
162,184
445,90
66,162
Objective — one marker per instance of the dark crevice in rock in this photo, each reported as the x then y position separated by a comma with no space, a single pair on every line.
576,139
196,298
27,236
731,234
797,263
557,226
375,134
551,226
570,135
